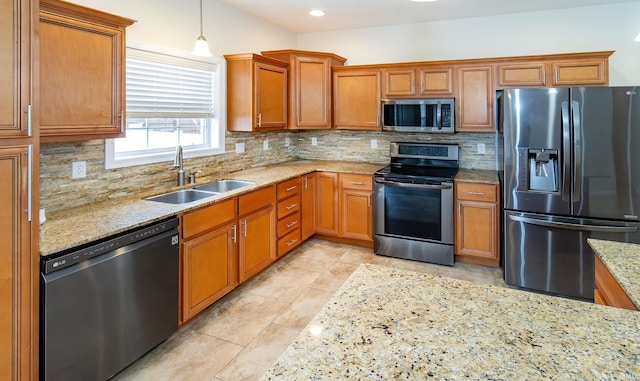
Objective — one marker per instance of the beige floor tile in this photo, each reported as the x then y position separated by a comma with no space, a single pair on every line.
421,267
315,257
358,255
303,309
241,319
188,356
260,355
284,283
334,276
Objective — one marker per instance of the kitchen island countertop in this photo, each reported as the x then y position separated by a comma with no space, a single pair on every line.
623,262
386,324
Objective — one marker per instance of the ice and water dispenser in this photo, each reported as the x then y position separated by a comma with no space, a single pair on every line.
541,169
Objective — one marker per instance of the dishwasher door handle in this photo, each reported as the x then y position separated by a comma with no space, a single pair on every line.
569,226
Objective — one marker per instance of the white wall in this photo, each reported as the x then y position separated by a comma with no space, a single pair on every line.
176,24
595,28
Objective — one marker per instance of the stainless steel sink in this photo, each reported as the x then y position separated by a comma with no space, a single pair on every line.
182,196
222,186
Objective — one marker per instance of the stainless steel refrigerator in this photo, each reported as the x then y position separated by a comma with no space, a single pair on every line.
571,172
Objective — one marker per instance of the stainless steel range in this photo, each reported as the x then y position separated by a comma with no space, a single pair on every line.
413,208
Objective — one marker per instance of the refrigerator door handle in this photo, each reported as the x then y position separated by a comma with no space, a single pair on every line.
577,150
566,149
568,226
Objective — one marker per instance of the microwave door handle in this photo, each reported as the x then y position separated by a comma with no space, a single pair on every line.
411,185
439,115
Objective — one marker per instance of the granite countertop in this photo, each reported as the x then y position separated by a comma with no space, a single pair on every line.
485,176
386,324
73,227
623,262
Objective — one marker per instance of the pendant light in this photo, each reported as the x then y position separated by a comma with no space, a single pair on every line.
201,48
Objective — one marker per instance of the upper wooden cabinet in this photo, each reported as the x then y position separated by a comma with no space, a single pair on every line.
310,105
256,93
82,71
475,98
579,69
399,82
356,98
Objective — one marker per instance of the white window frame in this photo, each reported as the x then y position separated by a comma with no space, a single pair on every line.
218,122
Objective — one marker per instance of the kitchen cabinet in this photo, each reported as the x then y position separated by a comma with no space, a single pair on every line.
588,72
308,203
522,74
82,73
257,231
475,96
209,256
19,228
356,98
398,82
327,203
436,80
256,93
355,199
288,213
608,292
310,103
431,80
476,223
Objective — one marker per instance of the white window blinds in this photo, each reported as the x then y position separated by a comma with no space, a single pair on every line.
160,85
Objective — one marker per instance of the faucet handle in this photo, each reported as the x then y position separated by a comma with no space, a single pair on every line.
192,177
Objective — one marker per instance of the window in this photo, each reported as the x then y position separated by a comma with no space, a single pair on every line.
172,99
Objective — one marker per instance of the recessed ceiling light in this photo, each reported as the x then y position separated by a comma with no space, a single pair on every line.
637,38
316,13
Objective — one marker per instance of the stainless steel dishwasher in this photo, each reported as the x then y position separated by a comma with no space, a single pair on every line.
108,303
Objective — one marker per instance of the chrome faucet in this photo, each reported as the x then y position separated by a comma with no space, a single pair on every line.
177,163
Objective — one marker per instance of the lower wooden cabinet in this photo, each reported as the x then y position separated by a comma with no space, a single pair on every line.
477,223
608,292
288,229
355,199
327,206
308,202
257,232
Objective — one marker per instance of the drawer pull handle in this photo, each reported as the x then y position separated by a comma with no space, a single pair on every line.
292,224
476,193
292,242
291,206
235,234
356,183
291,188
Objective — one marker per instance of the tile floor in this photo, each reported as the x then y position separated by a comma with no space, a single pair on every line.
241,335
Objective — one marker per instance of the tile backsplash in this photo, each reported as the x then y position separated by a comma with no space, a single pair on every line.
58,191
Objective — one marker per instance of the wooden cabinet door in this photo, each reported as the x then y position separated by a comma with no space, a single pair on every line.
590,72
82,73
398,82
19,274
476,228
209,269
15,61
522,74
475,98
436,81
327,203
270,96
312,92
309,202
256,241
356,214
356,97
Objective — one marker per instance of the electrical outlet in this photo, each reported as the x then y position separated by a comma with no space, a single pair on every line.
239,147
78,169
265,145
481,148
287,142
374,144
314,141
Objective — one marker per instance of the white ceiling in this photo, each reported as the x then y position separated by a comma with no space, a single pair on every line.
348,14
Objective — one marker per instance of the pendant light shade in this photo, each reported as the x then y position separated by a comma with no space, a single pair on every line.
201,48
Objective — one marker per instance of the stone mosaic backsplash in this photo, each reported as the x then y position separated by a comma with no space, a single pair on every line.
58,191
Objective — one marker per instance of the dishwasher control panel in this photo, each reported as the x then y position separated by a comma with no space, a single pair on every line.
70,257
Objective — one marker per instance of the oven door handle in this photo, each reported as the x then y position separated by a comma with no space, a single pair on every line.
410,185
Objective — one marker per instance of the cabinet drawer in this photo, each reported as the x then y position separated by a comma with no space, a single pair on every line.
288,224
477,192
207,218
288,242
288,206
361,182
256,199
288,188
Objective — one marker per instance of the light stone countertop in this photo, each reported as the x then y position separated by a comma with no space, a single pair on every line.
485,176
73,227
623,262
390,324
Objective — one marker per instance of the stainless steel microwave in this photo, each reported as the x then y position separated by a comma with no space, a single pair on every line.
419,115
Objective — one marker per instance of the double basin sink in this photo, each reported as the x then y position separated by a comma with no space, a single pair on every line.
201,191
